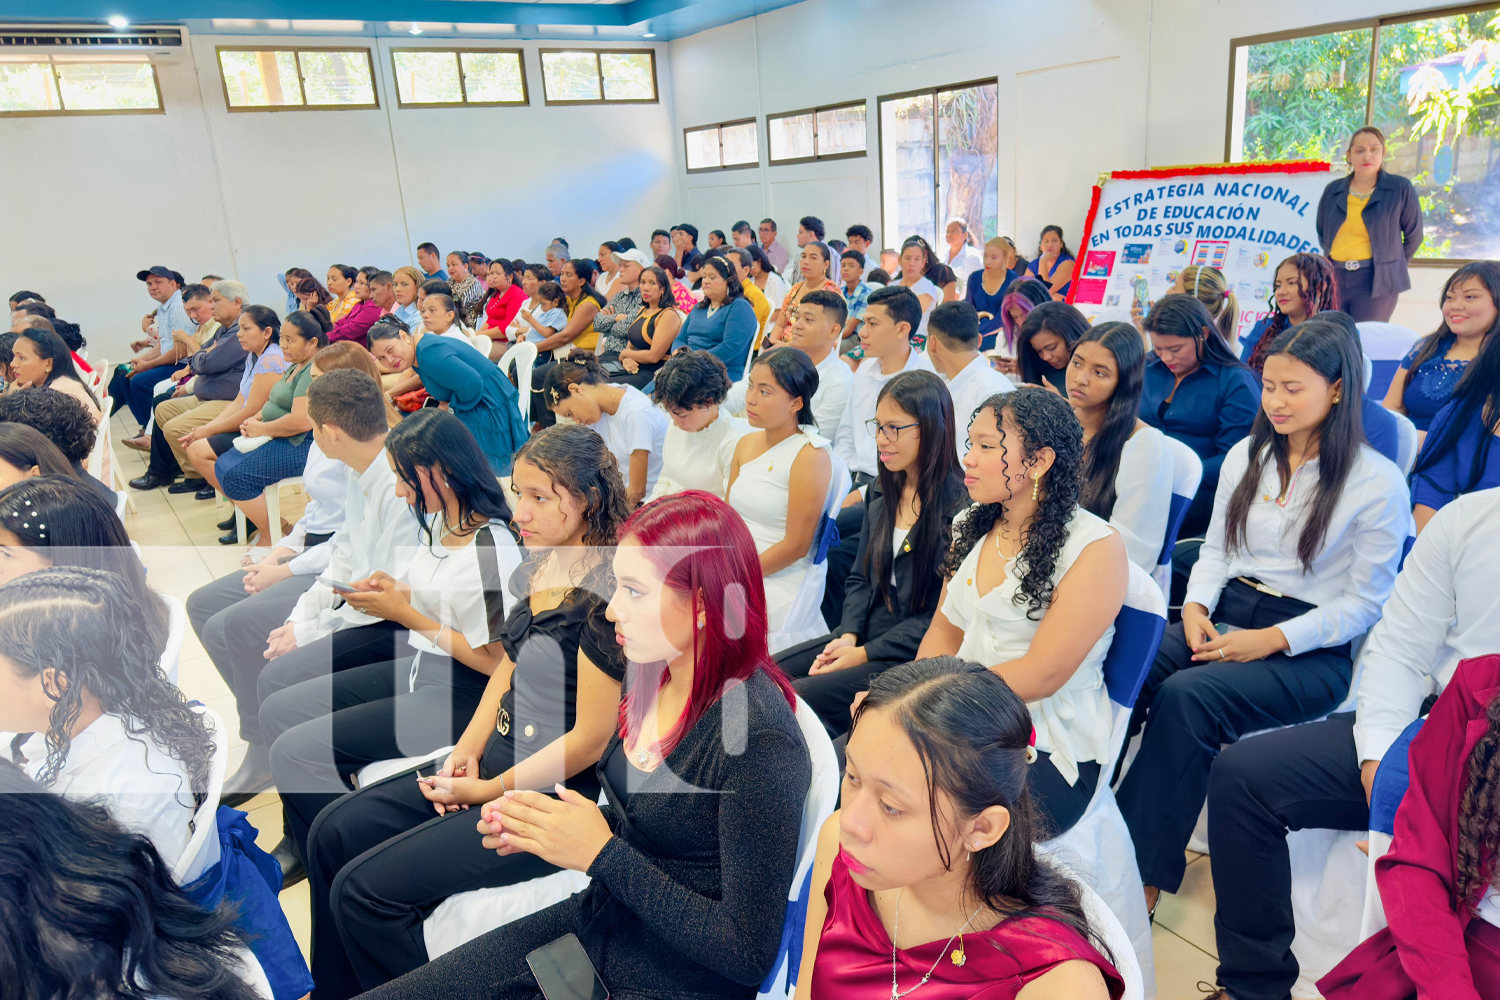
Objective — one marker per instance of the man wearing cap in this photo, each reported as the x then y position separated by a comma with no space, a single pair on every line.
613,321
161,352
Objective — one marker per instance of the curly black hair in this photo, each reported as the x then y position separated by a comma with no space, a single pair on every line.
689,379
87,626
65,421
1039,419
1479,815
92,909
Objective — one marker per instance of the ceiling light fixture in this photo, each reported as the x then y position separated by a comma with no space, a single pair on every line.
649,34
415,30
119,21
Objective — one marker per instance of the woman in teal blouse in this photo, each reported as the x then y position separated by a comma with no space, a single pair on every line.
463,381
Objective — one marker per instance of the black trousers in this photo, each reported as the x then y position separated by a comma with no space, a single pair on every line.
1355,298
493,966
163,463
379,862
1305,777
841,558
325,729
1195,708
540,412
829,695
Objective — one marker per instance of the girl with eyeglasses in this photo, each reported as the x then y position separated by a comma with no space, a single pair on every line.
893,588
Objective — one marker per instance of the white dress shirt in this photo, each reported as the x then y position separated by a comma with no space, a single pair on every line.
835,378
326,483
466,589
379,533
977,382
1353,573
636,425
146,790
700,460
853,442
1445,608
1143,496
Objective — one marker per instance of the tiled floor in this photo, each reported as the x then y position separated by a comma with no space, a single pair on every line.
179,544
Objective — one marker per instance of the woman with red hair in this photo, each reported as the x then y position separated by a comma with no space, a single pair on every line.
688,890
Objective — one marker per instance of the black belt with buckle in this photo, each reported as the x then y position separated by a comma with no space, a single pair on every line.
1354,265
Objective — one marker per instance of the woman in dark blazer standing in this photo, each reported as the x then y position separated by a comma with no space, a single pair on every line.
894,586
1370,225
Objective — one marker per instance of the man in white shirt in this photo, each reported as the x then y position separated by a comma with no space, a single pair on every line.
891,314
860,238
953,345
317,633
1444,608
820,319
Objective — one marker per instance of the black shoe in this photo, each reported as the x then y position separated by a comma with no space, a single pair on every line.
252,777
227,524
292,868
150,482
187,486
206,493
233,537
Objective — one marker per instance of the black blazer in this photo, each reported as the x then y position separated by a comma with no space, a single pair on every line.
886,634
1393,218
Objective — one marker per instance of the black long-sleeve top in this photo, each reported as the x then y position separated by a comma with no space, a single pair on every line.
689,897
892,633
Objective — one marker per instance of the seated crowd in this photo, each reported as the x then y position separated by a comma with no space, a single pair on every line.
588,538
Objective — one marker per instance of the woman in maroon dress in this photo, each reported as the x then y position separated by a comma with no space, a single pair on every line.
927,879
1437,881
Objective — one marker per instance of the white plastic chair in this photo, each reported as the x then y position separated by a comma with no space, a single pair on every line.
1384,344
1187,473
202,851
521,358
95,464
1104,923
1408,442
272,495
822,796
176,628
1098,849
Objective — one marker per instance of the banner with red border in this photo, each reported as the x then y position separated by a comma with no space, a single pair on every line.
1145,226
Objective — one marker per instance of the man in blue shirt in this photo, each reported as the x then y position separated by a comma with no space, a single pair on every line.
430,261
159,356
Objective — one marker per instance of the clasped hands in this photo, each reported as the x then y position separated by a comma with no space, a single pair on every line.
1242,646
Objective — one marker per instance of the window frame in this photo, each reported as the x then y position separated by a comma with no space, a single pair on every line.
992,81
547,100
817,156
62,110
1373,24
296,50
719,128
463,89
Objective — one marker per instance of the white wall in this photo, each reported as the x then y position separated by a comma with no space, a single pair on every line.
1084,86
88,201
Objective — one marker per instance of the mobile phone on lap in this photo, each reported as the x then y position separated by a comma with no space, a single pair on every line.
564,972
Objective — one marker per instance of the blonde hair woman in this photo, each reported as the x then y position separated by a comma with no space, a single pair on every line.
1209,286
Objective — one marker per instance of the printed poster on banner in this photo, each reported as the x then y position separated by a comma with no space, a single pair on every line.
1145,226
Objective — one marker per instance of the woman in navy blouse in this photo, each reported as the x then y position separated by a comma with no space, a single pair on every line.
1432,370
1460,455
1196,391
987,287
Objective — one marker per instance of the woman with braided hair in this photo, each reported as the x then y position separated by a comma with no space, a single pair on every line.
80,681
1439,880
1033,586
1305,286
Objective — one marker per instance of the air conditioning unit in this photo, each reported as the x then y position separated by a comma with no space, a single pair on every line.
161,44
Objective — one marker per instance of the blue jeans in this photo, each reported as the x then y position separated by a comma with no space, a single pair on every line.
136,391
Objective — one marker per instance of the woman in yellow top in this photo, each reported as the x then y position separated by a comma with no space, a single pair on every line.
1370,225
582,303
341,284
